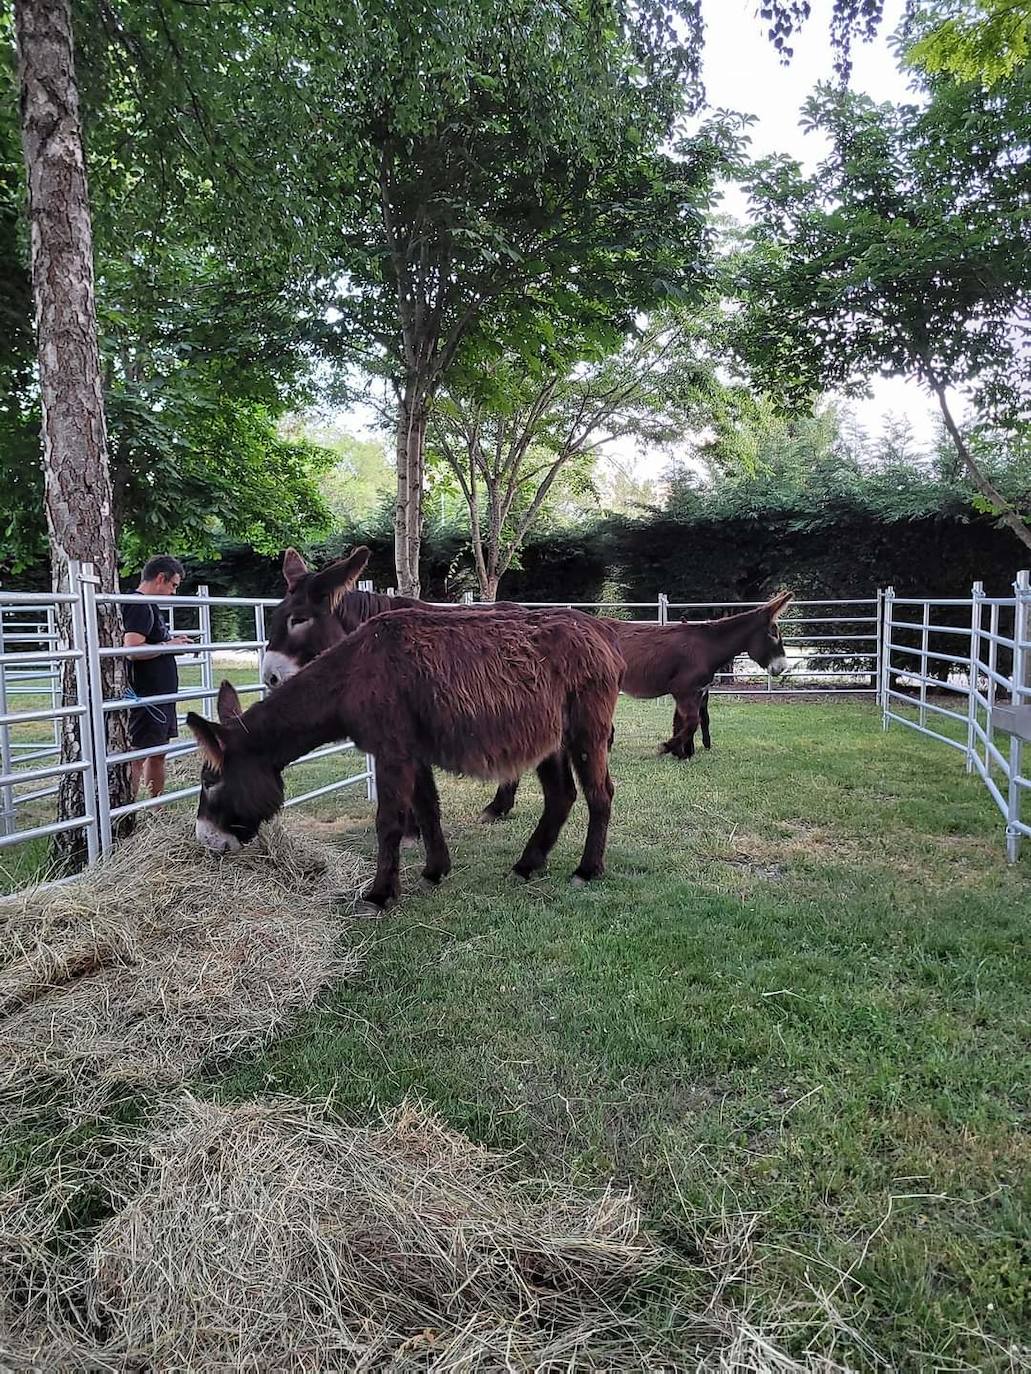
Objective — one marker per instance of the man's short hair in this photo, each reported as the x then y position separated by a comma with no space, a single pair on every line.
162,565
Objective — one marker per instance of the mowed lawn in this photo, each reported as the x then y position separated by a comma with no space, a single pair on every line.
794,1017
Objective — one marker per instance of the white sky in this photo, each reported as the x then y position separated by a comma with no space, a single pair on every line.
742,72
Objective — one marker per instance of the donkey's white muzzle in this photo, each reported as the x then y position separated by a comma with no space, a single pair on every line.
276,668
219,841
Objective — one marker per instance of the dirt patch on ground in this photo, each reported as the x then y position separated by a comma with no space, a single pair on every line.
767,857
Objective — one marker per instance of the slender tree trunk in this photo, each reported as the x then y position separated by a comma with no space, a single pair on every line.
411,472
77,485
987,488
473,502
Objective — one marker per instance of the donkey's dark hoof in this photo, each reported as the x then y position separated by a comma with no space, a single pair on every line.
429,882
366,909
491,817
582,879
519,876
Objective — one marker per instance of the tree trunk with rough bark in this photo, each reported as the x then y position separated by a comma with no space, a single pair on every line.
80,519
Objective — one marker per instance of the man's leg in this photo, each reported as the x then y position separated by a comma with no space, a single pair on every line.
154,772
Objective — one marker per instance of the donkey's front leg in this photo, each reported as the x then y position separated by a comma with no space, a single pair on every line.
394,783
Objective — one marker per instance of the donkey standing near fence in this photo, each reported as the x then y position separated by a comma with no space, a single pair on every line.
680,660
487,696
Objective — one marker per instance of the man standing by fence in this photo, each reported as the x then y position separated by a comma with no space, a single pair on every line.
152,674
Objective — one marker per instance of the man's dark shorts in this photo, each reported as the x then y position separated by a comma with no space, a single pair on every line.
150,726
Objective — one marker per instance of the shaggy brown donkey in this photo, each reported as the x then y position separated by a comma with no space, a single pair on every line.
488,696
322,608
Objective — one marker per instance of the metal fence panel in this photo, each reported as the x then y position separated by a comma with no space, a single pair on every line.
31,667
938,665
987,663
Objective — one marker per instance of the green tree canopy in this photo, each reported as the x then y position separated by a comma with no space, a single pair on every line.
908,251
972,40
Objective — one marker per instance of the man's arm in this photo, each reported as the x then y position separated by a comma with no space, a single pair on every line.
138,621
131,639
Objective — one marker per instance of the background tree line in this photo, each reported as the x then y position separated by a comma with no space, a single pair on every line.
263,243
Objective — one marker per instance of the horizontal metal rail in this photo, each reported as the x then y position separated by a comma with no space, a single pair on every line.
156,650
39,832
55,770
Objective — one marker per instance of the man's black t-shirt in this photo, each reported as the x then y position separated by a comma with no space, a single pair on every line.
150,676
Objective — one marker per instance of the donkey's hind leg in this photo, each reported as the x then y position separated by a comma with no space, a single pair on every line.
703,715
504,800
685,723
592,768
559,795
427,811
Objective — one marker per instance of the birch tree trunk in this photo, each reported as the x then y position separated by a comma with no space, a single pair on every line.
80,518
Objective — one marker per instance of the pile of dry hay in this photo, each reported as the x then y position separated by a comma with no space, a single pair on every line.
163,957
267,1236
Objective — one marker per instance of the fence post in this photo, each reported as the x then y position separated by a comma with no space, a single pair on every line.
93,781
262,638
7,815
884,667
973,666
88,584
663,608
1021,663
467,598
56,678
925,636
207,668
878,643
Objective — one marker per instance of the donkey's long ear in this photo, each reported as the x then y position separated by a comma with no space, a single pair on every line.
230,707
209,740
340,577
294,568
779,603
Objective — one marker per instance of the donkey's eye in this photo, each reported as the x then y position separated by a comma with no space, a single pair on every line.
295,622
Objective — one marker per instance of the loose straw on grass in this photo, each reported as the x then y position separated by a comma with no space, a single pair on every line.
267,1236
162,958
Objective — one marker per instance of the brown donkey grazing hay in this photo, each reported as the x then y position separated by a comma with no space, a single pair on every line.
161,958
268,1236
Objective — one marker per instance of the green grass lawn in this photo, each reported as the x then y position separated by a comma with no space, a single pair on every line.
793,1016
